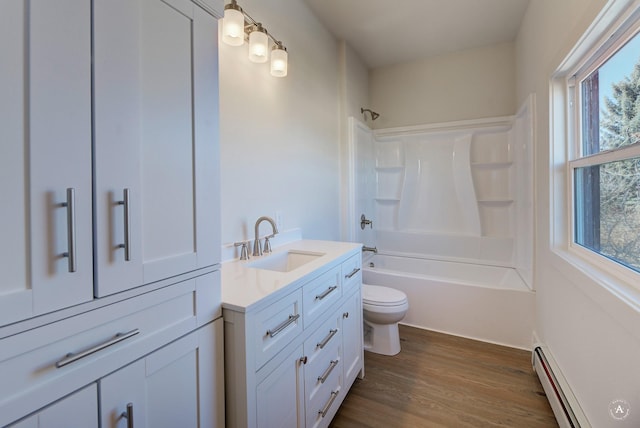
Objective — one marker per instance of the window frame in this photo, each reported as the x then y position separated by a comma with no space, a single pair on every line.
591,61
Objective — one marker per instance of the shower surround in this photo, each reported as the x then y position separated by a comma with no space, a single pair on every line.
457,192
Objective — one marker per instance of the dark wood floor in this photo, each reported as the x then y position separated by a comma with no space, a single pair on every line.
439,380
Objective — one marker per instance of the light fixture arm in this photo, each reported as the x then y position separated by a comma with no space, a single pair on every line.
250,23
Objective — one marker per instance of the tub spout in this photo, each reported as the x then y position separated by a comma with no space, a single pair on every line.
374,250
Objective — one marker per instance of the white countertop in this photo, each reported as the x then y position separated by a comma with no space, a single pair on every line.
244,287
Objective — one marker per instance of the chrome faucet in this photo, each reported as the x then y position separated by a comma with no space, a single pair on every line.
257,250
244,252
374,250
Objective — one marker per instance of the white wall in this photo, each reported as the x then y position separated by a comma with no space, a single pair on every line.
354,94
592,334
354,76
280,137
470,84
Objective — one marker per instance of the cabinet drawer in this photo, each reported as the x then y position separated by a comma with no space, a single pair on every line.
323,338
323,406
79,409
276,326
321,294
99,342
351,273
322,371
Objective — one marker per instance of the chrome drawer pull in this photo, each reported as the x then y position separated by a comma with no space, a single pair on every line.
353,272
326,292
128,415
71,358
127,224
328,371
327,406
327,339
283,325
70,204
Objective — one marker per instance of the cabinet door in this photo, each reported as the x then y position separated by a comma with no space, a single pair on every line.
155,68
78,410
280,396
352,346
45,134
179,385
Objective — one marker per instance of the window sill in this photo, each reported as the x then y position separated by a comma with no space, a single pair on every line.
619,298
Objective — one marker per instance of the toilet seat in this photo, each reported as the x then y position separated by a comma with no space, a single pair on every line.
375,295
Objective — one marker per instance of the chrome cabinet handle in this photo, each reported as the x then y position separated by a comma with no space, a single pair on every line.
70,204
353,272
127,224
128,415
326,292
327,339
304,359
328,371
325,409
283,325
71,357
345,315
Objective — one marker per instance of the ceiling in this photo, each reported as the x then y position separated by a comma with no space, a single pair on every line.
385,32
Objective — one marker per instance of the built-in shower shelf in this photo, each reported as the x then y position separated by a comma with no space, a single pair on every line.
491,165
390,168
495,202
387,199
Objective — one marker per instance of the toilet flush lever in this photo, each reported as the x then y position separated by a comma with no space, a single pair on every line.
364,222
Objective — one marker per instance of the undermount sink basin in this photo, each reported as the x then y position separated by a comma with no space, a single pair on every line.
285,261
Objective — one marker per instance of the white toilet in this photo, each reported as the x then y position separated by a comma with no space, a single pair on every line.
383,308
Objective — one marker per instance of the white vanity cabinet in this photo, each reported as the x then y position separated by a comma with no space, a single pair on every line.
139,78
45,157
174,386
291,357
110,272
155,115
40,366
351,313
78,410
280,395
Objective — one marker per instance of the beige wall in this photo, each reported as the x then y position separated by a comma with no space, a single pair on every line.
280,137
471,84
592,334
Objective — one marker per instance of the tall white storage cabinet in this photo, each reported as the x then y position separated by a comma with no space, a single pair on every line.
110,283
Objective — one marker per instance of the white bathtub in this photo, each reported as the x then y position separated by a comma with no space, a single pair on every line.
487,303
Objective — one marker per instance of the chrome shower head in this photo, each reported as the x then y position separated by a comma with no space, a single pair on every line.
373,114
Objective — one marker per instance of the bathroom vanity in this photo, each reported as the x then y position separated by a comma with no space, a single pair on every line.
293,334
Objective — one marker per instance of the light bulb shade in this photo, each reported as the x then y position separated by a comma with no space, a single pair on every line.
258,45
279,61
233,26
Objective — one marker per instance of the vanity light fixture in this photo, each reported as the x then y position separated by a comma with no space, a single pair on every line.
238,26
233,25
279,61
258,44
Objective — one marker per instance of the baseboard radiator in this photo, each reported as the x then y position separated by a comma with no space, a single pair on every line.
564,404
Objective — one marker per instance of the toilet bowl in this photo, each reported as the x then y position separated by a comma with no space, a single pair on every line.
383,308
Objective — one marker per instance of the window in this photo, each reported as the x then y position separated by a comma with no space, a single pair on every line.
605,166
